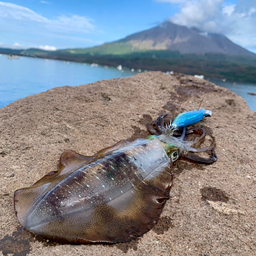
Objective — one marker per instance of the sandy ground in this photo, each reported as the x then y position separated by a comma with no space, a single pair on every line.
211,210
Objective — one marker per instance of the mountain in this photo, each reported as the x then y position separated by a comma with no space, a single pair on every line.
167,47
166,38
169,37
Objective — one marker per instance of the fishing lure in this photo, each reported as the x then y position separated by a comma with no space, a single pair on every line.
115,195
188,118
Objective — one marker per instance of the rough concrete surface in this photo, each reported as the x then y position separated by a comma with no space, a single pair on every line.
211,210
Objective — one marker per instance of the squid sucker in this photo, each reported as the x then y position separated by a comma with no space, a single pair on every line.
117,194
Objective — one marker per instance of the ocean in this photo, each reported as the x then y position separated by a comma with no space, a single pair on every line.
24,76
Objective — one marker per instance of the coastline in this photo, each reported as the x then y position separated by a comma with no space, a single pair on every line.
188,65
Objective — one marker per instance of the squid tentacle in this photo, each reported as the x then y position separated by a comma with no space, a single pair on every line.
182,137
198,159
152,128
159,126
160,123
162,127
199,140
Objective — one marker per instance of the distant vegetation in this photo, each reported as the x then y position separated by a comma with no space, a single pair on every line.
232,68
166,47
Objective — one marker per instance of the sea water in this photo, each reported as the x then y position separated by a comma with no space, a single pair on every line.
24,76
241,89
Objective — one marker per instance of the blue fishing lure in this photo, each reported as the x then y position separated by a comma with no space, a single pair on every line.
188,118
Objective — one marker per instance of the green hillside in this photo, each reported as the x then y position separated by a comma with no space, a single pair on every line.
114,48
232,68
124,50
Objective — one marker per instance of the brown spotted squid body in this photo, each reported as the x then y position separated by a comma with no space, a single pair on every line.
114,196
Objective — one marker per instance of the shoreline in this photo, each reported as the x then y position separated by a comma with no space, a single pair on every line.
188,67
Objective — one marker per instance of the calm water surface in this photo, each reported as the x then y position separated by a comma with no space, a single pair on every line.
241,90
26,76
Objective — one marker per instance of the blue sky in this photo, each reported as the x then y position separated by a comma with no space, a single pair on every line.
58,24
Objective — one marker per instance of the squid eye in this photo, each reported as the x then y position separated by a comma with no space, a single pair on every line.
175,156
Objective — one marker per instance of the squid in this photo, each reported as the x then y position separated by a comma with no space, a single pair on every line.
117,194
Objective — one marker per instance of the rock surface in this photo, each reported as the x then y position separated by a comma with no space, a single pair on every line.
211,210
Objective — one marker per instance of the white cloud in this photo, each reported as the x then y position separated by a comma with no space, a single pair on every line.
198,13
236,21
228,9
44,2
14,46
252,11
12,11
73,23
47,48
20,46
21,22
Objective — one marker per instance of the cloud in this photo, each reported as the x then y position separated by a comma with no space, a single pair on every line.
73,23
203,14
14,46
9,11
236,21
228,9
44,2
47,48
21,22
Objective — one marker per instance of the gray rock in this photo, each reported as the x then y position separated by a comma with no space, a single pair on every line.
212,208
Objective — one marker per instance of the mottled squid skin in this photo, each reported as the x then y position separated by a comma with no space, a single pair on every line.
114,196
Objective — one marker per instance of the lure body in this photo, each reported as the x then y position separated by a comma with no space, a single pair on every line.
114,196
188,118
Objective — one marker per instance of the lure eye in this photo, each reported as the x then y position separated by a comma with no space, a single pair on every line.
175,156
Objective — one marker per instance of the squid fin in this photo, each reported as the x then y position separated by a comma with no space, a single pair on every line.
25,200
69,159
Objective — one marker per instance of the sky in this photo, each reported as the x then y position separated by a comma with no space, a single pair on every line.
61,24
